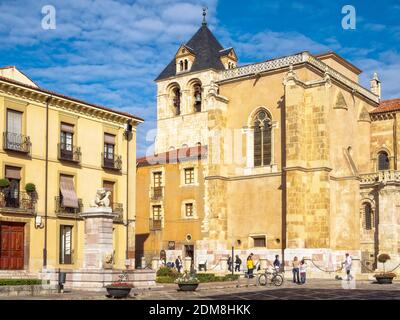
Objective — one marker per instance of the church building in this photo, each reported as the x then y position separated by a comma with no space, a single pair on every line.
288,156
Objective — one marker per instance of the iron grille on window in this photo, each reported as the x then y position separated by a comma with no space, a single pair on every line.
69,152
15,199
111,161
16,142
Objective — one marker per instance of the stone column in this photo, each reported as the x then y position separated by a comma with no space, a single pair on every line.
155,263
263,263
223,263
389,224
187,263
98,238
143,262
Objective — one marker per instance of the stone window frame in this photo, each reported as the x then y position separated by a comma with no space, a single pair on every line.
151,182
362,214
248,131
257,235
375,157
162,211
183,209
182,168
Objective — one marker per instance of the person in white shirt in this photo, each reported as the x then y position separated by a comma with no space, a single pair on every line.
303,270
347,266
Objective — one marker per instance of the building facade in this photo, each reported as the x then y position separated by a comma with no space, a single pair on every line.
299,160
55,153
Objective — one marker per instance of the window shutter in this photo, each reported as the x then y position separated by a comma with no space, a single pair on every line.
109,138
14,121
70,200
65,127
13,173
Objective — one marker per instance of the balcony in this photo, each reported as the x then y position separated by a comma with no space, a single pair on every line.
157,193
66,212
155,224
118,209
16,142
69,153
14,201
384,177
112,162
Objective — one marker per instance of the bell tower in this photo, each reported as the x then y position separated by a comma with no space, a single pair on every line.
185,87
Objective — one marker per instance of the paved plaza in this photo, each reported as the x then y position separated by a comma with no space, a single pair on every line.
315,289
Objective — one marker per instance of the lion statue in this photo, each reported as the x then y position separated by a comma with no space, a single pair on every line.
102,198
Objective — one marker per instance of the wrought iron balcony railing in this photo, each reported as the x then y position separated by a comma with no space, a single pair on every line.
69,152
155,224
16,142
64,211
157,193
111,161
17,201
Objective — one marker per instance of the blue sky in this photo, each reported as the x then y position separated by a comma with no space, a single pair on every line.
108,52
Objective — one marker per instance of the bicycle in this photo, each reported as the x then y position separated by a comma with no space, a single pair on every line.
273,277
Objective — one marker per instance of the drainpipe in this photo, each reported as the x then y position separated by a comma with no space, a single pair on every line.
283,177
46,182
128,135
395,142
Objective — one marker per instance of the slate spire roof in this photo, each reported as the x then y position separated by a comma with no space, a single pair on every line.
207,52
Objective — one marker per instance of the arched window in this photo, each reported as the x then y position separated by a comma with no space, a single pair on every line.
177,101
383,161
186,64
197,97
368,223
181,65
262,139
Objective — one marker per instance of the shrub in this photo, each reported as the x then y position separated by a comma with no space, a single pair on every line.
20,282
4,183
383,257
30,187
231,277
167,272
165,279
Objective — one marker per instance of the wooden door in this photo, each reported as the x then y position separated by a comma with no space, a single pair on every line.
12,246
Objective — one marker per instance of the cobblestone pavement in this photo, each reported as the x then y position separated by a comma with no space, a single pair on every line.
315,289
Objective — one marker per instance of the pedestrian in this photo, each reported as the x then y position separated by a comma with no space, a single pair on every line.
277,263
230,263
295,270
347,265
179,264
303,270
250,265
238,263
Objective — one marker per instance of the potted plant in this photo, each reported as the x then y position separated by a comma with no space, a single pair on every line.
30,188
119,289
4,183
384,277
188,281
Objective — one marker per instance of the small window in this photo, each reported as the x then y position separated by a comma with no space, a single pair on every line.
367,216
189,175
176,100
383,161
157,177
186,64
259,242
157,212
65,244
189,209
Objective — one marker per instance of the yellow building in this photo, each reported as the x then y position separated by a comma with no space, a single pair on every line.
292,153
67,149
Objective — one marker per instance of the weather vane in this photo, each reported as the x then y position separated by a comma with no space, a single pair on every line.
204,16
